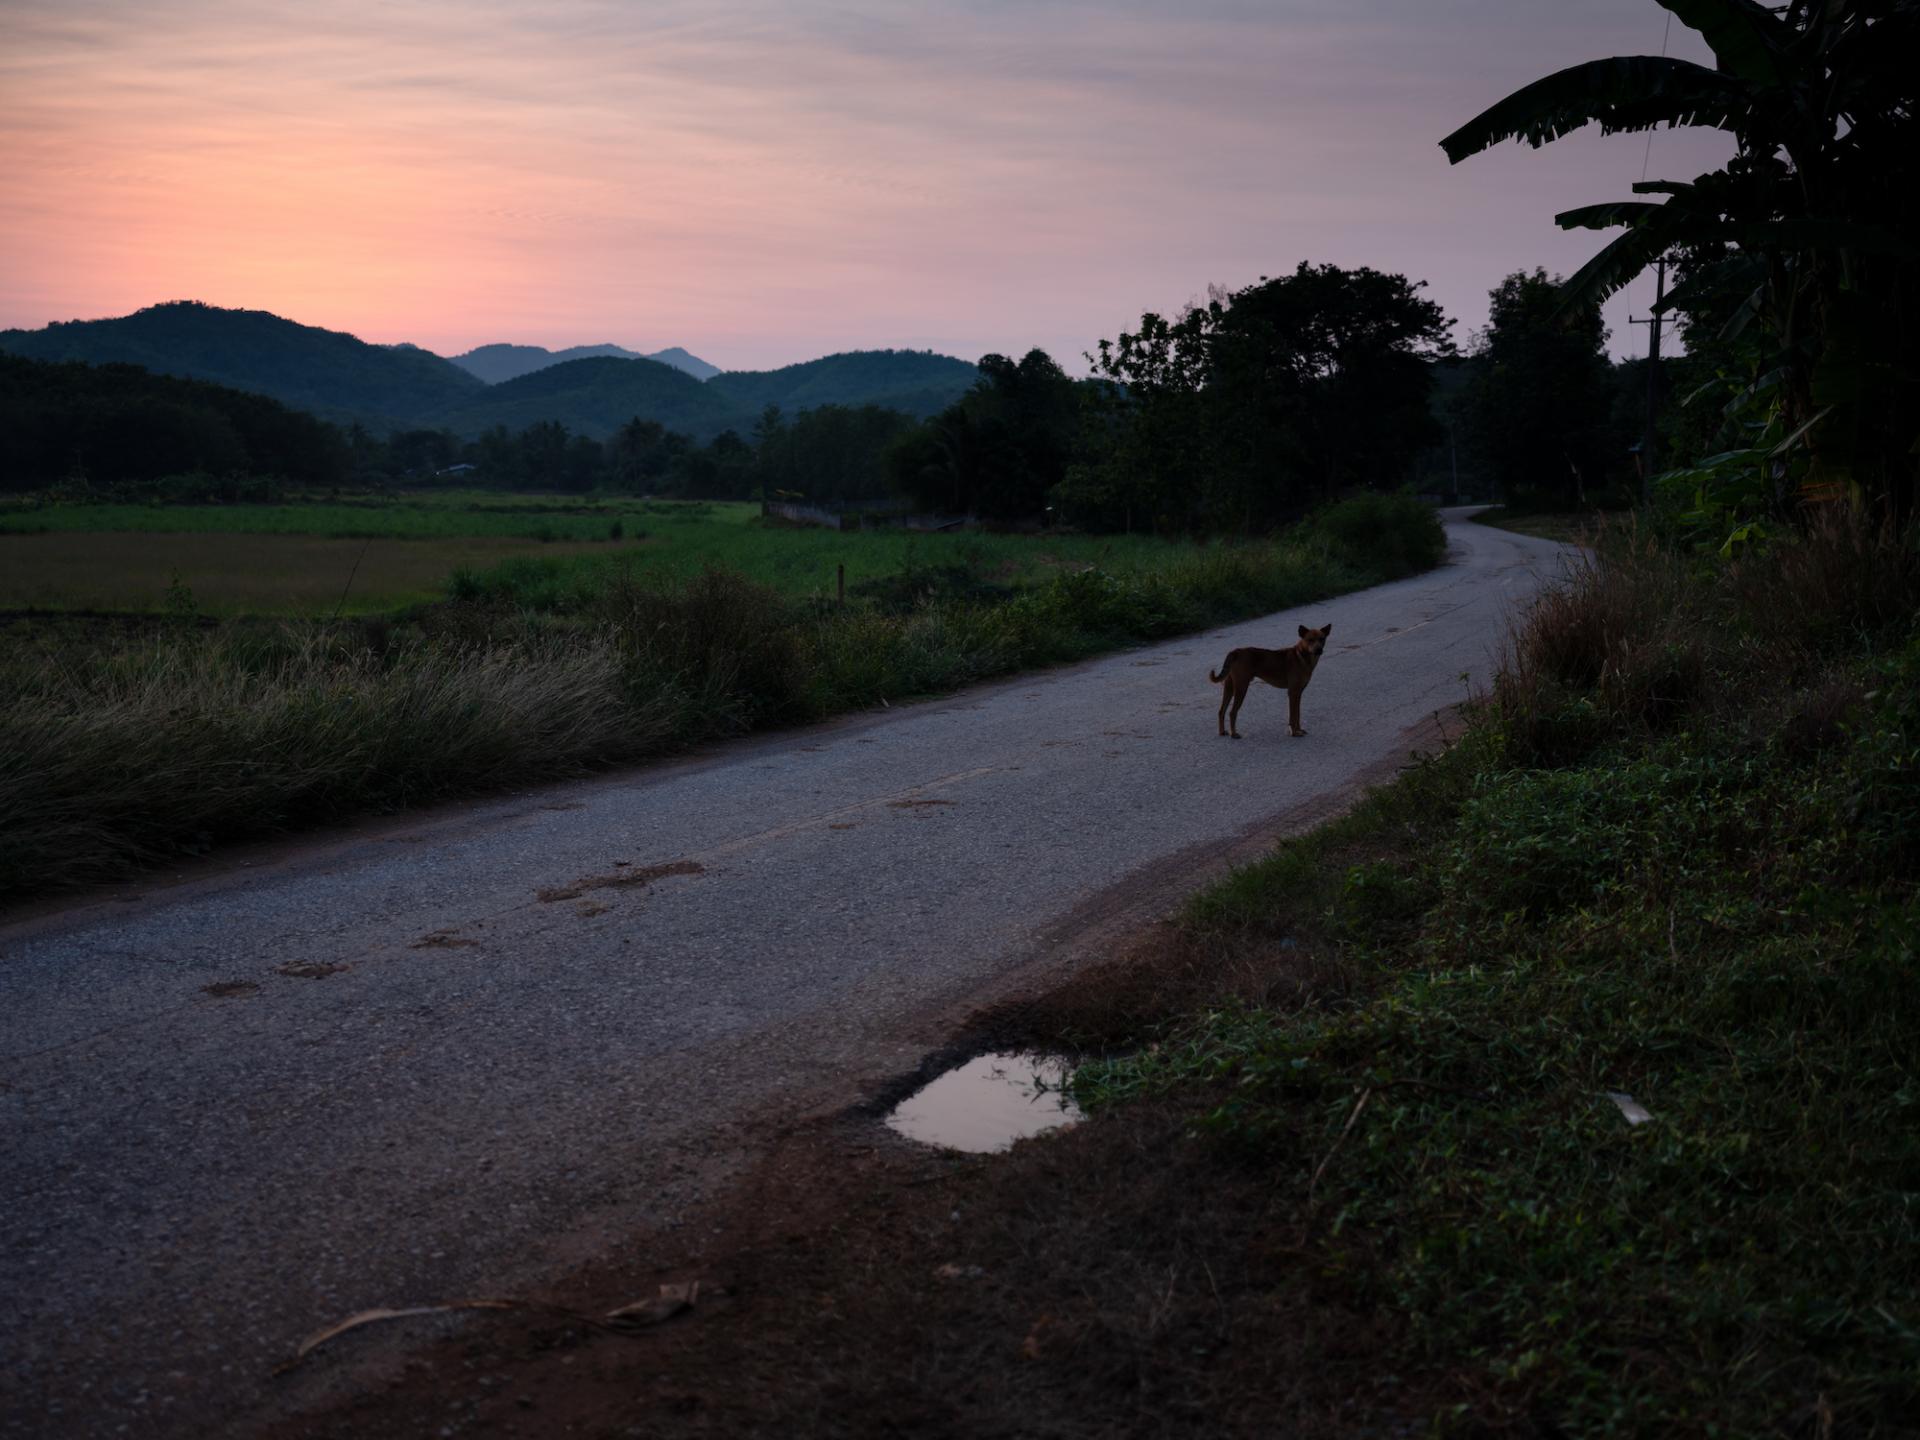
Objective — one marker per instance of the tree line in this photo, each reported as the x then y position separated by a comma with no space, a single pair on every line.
81,425
1236,415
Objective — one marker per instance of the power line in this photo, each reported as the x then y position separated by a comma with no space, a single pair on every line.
1650,442
1663,55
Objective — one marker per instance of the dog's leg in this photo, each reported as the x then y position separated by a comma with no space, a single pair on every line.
1293,711
1226,696
1240,688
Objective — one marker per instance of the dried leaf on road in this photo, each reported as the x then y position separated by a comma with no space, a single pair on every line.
671,1301
369,1317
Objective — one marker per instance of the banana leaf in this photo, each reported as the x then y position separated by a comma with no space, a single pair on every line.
1624,92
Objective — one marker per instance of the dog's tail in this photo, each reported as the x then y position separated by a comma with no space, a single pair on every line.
1216,679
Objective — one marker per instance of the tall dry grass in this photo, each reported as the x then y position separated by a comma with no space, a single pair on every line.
1849,577
1638,640
193,739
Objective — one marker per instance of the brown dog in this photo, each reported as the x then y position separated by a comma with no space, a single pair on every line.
1291,669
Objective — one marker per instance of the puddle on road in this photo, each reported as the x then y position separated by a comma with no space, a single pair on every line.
988,1103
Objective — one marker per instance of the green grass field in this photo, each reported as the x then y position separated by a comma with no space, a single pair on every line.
235,575
295,559
440,516
799,562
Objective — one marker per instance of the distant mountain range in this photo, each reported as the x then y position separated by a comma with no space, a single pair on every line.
497,364
597,396
592,390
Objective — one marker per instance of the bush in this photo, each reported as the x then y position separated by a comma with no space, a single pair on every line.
1635,643
1622,646
722,640
1391,535
1535,840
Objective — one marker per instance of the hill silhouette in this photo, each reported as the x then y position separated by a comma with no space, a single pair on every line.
497,364
683,359
590,397
325,372
915,381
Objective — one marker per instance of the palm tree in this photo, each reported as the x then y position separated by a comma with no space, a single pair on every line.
1815,213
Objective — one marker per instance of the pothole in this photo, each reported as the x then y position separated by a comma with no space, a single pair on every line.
989,1102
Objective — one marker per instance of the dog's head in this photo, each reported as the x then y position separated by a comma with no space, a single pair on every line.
1315,641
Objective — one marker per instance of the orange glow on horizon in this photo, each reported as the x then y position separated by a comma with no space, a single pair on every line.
763,184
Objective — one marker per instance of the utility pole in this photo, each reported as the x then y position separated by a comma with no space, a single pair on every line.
1653,324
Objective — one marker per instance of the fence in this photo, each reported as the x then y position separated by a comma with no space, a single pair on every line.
801,514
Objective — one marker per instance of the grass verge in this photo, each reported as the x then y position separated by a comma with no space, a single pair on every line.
175,738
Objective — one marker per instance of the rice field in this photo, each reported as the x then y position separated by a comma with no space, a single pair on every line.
302,558
441,516
232,574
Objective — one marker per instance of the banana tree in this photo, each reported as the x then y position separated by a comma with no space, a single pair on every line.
1817,210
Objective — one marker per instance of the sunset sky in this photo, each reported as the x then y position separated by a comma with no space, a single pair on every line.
764,183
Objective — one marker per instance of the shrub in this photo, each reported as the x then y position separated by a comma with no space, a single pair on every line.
1379,899
721,638
1620,645
1533,840
1392,535
1624,597
909,589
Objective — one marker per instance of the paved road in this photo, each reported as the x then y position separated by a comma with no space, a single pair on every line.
442,1055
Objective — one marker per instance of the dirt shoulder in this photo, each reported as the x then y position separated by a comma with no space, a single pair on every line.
1118,1278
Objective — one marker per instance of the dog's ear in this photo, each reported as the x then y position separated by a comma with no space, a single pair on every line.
1303,632
1327,629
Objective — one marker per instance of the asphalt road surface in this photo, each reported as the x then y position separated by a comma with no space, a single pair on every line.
446,1054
